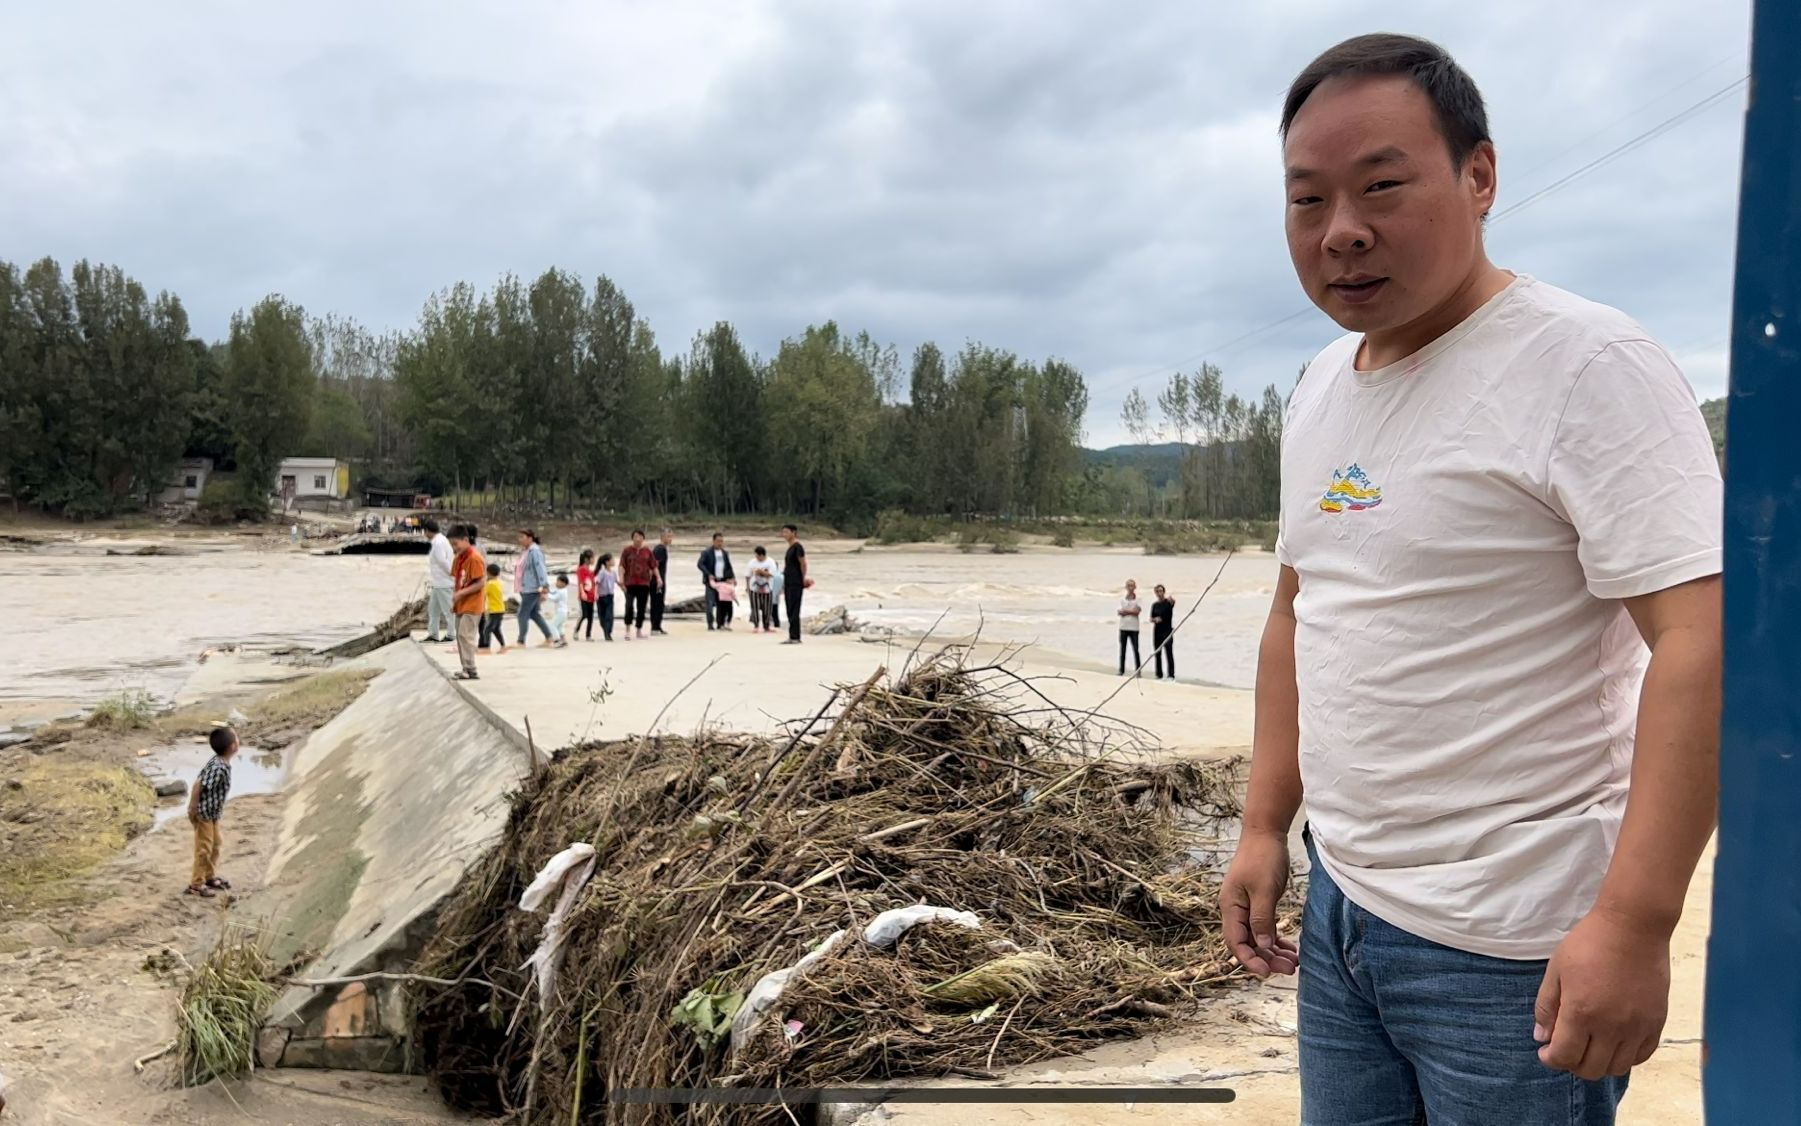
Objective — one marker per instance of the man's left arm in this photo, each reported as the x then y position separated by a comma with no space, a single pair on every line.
1606,991
1633,469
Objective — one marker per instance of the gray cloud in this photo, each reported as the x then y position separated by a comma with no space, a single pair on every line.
1083,180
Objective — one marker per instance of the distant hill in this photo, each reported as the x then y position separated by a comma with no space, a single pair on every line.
1162,461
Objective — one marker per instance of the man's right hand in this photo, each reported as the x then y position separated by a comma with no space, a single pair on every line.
1247,905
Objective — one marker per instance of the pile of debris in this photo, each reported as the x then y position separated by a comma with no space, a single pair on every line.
734,911
398,625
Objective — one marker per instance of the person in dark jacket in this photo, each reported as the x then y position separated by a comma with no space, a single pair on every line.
1163,632
715,563
659,594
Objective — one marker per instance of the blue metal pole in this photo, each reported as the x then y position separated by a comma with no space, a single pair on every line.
1752,1069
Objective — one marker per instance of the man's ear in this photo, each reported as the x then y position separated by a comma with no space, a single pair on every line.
1481,170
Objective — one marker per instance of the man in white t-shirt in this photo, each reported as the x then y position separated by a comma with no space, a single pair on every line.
439,625
1500,515
1128,613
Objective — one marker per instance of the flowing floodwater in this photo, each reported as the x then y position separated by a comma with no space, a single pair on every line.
1061,599
86,624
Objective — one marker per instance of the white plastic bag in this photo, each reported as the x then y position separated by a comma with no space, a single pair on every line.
768,990
885,929
569,870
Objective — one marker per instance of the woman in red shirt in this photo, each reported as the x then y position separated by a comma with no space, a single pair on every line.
638,568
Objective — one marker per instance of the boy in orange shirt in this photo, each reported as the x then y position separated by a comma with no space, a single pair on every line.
469,571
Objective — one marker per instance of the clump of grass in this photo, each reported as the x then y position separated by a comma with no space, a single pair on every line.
1003,542
129,710
1189,541
65,818
893,526
223,1007
1064,538
315,698
1004,978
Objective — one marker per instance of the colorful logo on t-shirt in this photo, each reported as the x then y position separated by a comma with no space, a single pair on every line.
1350,489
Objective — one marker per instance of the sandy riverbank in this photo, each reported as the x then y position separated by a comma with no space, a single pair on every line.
77,976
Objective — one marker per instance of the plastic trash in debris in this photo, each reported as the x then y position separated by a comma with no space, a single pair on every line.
768,990
885,929
570,871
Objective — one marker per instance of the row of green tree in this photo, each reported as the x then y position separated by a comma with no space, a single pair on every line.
555,386
556,393
1229,450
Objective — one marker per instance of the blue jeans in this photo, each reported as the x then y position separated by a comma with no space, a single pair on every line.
529,612
1396,1030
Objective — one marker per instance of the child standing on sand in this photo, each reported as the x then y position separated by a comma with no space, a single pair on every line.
606,587
495,596
559,605
726,591
206,805
585,589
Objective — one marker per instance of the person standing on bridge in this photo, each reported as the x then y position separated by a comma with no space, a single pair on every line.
470,571
659,594
1491,666
794,580
534,588
638,567
438,622
715,566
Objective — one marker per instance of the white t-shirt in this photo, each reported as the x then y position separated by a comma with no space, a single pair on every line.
1464,523
438,564
1128,621
762,576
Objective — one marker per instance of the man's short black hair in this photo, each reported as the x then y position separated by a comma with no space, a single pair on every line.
790,528
430,525
1456,102
718,535
221,739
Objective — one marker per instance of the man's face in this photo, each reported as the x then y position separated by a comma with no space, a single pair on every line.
1131,587
667,538
1159,592
637,539
718,541
1383,230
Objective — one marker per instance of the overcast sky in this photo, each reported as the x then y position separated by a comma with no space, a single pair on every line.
1094,181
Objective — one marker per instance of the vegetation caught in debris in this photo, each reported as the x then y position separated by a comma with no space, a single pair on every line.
222,1007
722,859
